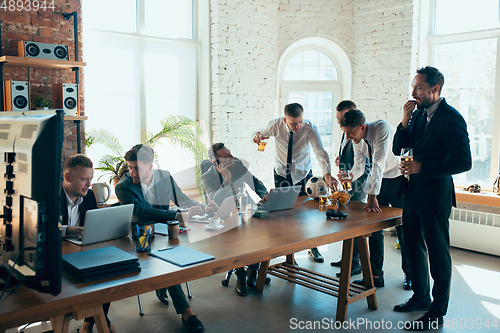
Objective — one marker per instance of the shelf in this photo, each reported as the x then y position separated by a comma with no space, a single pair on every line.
486,198
75,117
35,62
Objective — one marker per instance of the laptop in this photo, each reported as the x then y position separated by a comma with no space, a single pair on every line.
281,198
105,224
225,209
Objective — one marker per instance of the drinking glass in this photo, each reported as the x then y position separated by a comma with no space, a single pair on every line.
406,156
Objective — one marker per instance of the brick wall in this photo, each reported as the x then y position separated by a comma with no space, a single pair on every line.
45,27
247,38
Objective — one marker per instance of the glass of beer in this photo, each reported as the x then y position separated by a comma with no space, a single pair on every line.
323,197
262,146
346,180
406,156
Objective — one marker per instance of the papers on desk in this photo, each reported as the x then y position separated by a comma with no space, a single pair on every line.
181,256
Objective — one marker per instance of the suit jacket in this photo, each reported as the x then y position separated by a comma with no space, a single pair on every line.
88,203
359,185
144,211
217,189
444,150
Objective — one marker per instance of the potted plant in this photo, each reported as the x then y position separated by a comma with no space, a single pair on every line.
42,102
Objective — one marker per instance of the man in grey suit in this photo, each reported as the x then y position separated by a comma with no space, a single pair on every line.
151,191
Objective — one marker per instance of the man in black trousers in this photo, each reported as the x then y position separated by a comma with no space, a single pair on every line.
437,132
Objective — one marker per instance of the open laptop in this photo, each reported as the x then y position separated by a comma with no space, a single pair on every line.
281,198
225,210
105,224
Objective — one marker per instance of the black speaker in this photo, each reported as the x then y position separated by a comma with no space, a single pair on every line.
16,95
66,98
42,50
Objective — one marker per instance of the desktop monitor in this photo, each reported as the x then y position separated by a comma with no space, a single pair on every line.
31,148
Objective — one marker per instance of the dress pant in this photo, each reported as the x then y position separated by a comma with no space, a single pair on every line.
178,298
427,237
240,272
105,309
285,182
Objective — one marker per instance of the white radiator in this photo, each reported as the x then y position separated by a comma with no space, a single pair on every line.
477,231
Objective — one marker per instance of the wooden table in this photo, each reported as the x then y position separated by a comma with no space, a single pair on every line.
239,243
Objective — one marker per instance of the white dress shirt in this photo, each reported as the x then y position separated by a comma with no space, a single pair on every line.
147,190
301,152
73,212
384,163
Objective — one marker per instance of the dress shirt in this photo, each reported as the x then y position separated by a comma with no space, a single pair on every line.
384,163
432,109
343,143
73,212
147,190
301,153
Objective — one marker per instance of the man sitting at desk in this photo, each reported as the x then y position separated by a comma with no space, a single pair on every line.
151,191
221,181
76,199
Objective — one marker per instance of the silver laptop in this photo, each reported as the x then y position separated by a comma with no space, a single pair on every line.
105,224
225,210
282,198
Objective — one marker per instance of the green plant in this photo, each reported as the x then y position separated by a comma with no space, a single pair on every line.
175,129
42,101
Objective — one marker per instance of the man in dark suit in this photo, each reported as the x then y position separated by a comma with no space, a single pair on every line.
76,199
437,132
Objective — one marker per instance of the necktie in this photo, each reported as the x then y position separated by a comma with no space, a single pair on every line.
341,141
289,156
422,123
370,154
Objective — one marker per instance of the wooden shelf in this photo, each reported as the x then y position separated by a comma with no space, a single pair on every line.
35,62
75,117
485,198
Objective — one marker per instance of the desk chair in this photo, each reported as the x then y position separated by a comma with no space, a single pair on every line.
161,294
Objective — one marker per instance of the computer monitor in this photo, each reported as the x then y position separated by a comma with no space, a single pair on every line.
31,148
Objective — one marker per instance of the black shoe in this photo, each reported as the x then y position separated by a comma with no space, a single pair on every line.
336,263
377,282
355,270
193,324
314,253
241,287
425,323
407,283
251,278
412,305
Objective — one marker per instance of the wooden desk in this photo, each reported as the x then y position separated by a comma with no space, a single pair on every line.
240,243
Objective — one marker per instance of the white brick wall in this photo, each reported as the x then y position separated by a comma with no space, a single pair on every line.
247,38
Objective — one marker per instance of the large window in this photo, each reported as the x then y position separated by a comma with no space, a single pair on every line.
463,44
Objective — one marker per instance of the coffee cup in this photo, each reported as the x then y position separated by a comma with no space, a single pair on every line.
183,216
173,229
214,222
102,192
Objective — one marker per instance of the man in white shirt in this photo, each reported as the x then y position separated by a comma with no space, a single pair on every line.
374,141
294,137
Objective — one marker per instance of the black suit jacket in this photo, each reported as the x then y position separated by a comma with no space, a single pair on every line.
88,203
444,150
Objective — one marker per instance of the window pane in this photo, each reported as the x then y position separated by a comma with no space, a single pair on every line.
469,70
310,65
103,15
454,16
169,18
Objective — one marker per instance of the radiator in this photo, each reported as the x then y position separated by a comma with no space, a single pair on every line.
477,231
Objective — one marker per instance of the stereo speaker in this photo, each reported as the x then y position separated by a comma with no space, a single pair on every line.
66,98
16,95
42,50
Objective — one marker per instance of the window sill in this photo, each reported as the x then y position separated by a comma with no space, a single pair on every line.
485,198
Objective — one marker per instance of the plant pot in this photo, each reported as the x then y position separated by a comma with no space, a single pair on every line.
115,181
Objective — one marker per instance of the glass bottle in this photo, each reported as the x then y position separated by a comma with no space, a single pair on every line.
243,200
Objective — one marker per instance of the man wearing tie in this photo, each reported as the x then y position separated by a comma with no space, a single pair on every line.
437,132
294,137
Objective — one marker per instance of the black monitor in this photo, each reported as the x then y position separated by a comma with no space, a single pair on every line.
31,148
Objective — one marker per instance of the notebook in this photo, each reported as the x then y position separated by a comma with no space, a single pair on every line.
281,198
105,224
225,210
181,256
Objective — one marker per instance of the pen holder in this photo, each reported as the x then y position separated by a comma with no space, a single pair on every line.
143,242
142,227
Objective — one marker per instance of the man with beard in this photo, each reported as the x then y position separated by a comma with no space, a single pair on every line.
437,133
221,181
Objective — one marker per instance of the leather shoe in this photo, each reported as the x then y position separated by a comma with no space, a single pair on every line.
314,253
251,278
336,263
412,305
193,324
355,270
241,288
425,323
377,282
407,283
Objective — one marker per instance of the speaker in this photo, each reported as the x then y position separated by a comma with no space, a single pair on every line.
66,98
16,95
42,50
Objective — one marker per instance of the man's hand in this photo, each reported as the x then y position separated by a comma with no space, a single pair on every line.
330,181
409,167
264,198
212,207
259,137
337,161
74,231
223,168
342,174
372,204
407,112
196,210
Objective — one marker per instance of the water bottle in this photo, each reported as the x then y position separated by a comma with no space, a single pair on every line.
243,200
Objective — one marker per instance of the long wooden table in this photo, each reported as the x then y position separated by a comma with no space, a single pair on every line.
239,243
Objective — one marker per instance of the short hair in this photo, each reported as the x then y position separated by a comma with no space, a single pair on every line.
77,160
140,152
352,118
294,110
213,150
346,104
434,76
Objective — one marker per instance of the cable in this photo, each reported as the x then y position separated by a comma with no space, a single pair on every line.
12,269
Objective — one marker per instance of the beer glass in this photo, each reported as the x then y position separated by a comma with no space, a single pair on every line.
406,156
262,146
346,181
323,197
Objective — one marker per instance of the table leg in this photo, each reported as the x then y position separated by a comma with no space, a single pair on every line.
97,313
367,271
60,324
345,276
290,259
261,279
